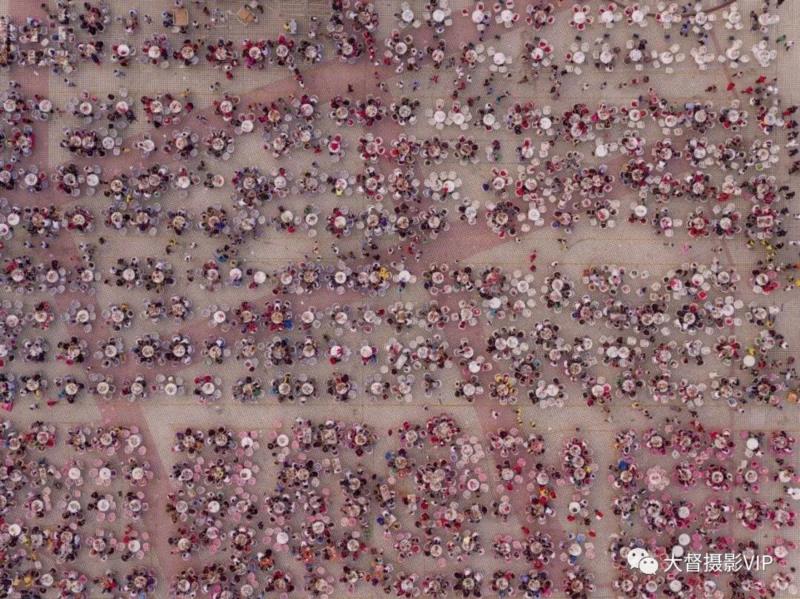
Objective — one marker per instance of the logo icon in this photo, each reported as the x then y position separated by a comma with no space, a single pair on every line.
640,559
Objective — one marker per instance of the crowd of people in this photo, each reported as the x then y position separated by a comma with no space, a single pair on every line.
319,242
